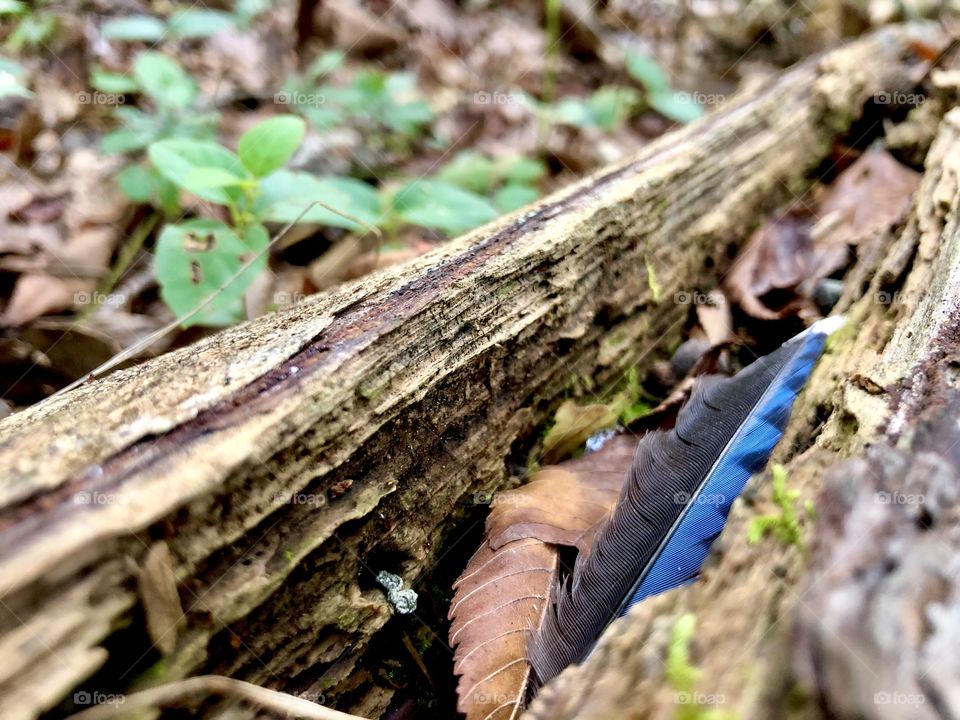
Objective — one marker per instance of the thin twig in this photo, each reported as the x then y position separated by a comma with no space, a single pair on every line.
181,692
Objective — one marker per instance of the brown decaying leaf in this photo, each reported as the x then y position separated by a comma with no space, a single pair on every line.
504,590
776,257
795,250
573,424
868,197
715,319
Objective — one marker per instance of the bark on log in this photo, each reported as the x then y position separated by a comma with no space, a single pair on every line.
874,612
253,484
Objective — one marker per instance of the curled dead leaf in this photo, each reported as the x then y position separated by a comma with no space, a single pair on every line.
505,588
797,249
573,424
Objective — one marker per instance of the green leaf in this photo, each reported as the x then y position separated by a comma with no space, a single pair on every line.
407,118
139,183
325,64
13,77
470,170
647,71
211,177
164,80
177,159
321,117
199,23
134,28
571,111
32,31
137,131
12,7
438,204
285,195
514,196
12,67
198,259
610,106
168,196
246,10
519,169
268,145
113,83
677,106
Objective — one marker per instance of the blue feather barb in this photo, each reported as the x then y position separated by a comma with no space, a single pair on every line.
676,498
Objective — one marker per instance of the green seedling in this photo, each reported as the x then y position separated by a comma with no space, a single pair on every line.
785,525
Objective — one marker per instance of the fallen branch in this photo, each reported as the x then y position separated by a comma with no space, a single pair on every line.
186,693
277,467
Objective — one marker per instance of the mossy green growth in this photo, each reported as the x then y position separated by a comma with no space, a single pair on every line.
683,676
655,290
785,525
842,337
632,403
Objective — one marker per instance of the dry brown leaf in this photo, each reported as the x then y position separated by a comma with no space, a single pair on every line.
573,424
715,318
36,295
868,197
94,196
776,257
792,253
503,592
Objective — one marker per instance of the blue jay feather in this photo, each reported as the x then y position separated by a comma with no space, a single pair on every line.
676,498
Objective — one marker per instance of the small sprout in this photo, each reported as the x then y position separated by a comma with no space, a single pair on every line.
405,601
680,673
785,526
683,676
655,290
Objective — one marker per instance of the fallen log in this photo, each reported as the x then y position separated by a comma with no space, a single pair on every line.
861,623
225,509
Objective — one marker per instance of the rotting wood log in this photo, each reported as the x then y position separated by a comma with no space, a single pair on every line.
267,473
872,612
